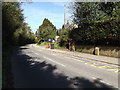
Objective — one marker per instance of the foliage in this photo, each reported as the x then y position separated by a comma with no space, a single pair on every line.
43,43
65,36
36,39
98,23
15,30
56,45
58,32
46,30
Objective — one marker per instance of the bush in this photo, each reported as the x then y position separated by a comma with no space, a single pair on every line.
43,43
56,45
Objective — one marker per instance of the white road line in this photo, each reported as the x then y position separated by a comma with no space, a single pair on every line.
28,54
54,61
32,51
36,53
37,60
101,81
32,63
104,82
94,78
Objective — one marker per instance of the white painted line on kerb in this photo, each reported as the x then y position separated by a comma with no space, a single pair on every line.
54,61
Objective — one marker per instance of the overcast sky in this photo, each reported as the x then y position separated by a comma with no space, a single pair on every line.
35,13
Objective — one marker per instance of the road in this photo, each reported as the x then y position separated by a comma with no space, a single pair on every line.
37,67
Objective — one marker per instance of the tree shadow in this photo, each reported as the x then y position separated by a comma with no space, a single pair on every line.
29,73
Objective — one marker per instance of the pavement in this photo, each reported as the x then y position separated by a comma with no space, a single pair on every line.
34,66
104,59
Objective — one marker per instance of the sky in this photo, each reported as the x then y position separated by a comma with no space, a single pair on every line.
35,13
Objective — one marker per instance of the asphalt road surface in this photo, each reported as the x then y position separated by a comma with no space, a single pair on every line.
37,67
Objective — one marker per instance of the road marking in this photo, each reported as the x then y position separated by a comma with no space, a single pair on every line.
77,60
93,65
101,81
54,54
29,54
30,60
104,82
32,51
68,57
32,63
115,70
108,84
37,60
103,66
94,78
74,59
54,61
90,63
36,53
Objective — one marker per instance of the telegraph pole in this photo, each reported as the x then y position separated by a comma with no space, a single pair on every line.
64,15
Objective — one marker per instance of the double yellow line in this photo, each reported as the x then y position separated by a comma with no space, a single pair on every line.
94,64
115,70
74,59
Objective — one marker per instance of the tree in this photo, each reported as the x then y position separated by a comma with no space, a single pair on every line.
65,35
15,30
98,23
47,30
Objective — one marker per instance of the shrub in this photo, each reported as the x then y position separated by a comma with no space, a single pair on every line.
43,43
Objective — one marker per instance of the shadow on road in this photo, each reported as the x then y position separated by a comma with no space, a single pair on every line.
29,73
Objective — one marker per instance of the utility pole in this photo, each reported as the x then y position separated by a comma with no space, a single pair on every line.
64,15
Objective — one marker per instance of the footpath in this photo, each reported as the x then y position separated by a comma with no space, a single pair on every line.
104,59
